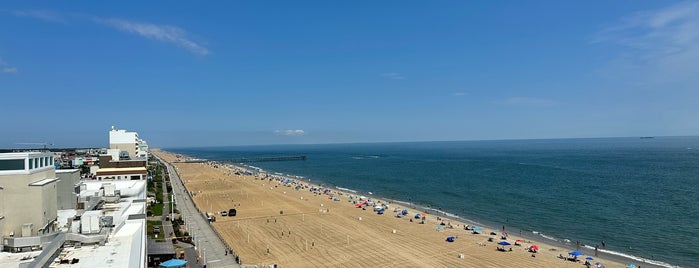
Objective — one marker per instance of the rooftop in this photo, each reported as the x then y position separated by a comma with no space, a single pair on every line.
66,170
43,182
121,169
126,243
126,246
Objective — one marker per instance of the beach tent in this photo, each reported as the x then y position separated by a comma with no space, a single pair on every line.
172,263
417,216
405,212
450,239
380,211
398,215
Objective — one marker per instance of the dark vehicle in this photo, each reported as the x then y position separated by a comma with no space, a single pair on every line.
231,212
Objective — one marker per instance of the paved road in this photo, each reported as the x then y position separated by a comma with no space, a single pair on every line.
211,249
168,231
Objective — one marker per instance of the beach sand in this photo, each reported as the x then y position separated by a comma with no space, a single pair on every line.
315,231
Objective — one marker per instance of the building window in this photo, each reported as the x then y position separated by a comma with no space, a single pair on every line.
31,164
36,163
12,164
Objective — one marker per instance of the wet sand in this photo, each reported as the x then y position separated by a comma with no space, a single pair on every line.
315,231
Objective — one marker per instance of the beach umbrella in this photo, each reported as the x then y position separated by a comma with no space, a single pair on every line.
504,243
575,253
172,263
632,265
477,228
534,247
450,239
589,258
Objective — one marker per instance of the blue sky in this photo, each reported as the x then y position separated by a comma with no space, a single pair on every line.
270,72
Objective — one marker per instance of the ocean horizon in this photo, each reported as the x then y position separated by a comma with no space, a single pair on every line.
635,194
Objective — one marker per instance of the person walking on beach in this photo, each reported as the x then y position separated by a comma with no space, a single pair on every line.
596,249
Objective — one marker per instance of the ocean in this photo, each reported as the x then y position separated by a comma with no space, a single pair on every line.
637,195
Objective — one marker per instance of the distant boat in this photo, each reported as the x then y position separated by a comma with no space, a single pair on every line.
648,137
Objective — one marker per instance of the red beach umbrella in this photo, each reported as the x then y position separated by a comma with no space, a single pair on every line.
534,247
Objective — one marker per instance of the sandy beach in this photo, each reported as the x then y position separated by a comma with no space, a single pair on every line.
291,227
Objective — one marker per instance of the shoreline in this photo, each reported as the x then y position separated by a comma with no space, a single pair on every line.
532,235
609,258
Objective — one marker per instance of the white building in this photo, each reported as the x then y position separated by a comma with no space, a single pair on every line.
27,198
128,142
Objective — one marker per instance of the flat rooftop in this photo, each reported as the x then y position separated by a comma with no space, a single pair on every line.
126,243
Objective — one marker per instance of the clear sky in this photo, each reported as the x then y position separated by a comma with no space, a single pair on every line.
267,72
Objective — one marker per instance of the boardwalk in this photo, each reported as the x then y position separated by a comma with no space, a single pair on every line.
211,250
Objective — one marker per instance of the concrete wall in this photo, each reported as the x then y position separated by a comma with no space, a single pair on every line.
27,204
126,147
66,197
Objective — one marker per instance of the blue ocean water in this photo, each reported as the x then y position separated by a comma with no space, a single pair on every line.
638,195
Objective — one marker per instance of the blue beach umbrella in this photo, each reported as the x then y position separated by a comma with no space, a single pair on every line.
589,258
632,265
576,253
504,243
477,228
173,263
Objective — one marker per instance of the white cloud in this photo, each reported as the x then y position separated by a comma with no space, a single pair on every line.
165,33
528,101
290,132
658,46
9,69
394,76
46,15
6,68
